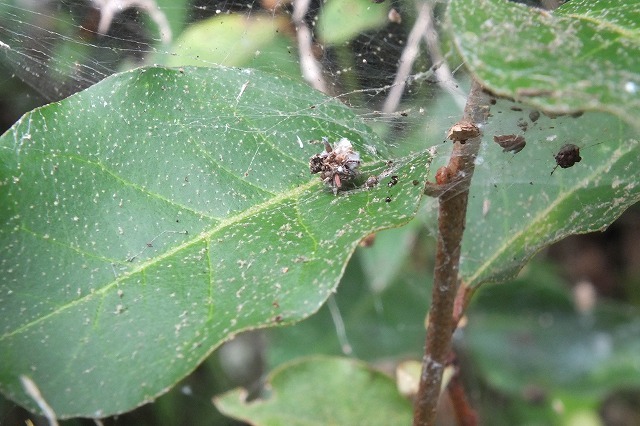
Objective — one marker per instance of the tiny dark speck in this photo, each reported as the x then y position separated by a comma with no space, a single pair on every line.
387,200
415,182
533,116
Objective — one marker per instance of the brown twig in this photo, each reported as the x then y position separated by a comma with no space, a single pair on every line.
451,223
310,67
464,412
408,57
444,76
463,297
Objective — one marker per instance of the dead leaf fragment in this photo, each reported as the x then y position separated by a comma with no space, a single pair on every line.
510,143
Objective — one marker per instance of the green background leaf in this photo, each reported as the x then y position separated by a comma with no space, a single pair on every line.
583,56
322,391
160,212
257,41
516,200
342,20
529,341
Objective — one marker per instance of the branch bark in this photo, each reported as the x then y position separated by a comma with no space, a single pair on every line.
310,67
451,224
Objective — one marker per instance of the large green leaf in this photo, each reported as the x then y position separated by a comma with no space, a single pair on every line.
379,322
158,213
517,206
322,391
583,56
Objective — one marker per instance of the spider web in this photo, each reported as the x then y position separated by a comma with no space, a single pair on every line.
392,62
386,60
390,66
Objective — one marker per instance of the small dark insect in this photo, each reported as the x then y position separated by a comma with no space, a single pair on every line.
415,182
533,116
371,181
393,181
387,200
509,143
568,155
337,165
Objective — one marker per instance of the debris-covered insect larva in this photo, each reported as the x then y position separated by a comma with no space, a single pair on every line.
337,165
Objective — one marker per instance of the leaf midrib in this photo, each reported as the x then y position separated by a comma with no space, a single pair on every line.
206,235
